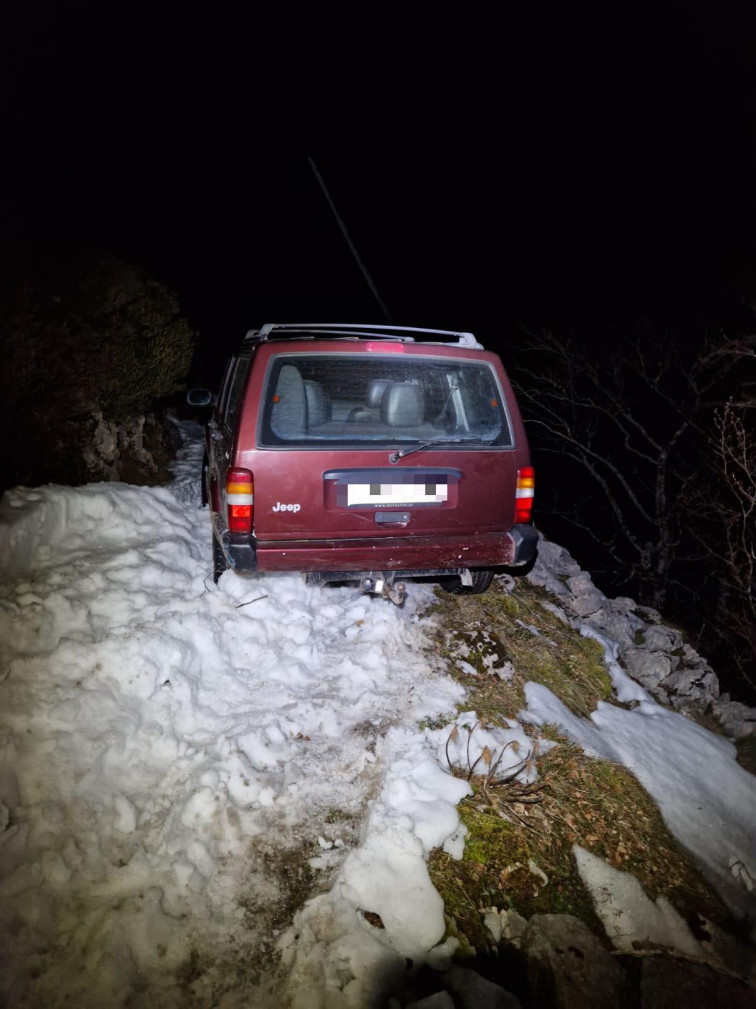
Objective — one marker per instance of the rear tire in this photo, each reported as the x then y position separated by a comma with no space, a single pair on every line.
481,579
219,560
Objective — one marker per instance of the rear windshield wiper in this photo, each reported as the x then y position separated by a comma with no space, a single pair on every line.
403,453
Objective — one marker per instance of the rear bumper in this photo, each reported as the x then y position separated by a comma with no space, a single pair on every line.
526,545
515,548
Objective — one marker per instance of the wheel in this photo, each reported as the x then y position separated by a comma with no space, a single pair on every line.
219,560
481,579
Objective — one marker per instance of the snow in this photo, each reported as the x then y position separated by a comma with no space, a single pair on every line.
154,729
707,799
629,916
625,688
180,763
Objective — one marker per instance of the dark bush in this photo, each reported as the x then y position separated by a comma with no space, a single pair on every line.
90,345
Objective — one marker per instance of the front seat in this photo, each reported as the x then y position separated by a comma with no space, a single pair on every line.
373,397
318,404
403,406
287,418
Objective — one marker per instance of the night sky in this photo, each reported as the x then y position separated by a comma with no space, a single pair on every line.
540,170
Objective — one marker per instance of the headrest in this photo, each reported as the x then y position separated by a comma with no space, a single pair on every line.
375,391
402,406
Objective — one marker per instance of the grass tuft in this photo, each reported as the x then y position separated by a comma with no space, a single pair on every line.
509,638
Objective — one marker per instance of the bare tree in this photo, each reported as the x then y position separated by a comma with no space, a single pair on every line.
724,523
648,456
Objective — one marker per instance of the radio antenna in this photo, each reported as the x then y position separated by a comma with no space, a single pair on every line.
348,240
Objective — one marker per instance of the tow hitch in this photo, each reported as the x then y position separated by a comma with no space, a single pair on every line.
374,583
393,591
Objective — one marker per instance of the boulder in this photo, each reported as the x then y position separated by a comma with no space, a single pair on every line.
555,559
691,689
568,967
652,653
439,1000
649,614
552,568
736,719
667,983
477,992
586,598
616,621
660,638
648,668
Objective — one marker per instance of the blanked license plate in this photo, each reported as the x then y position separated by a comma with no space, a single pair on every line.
396,493
392,487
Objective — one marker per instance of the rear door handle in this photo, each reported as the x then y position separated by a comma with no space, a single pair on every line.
391,518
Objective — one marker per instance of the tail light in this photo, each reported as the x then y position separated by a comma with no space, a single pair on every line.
524,494
240,499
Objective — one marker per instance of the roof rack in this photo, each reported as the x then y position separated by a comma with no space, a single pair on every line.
353,331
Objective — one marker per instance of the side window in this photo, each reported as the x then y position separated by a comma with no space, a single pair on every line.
226,386
480,404
235,390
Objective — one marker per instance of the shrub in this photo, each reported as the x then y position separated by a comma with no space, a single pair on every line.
83,338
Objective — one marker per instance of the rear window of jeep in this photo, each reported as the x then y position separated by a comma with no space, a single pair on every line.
320,400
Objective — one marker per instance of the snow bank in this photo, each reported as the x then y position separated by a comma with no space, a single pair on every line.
165,745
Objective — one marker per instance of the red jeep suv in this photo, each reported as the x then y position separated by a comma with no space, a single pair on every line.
372,454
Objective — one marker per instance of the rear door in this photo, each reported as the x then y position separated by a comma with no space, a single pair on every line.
356,444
